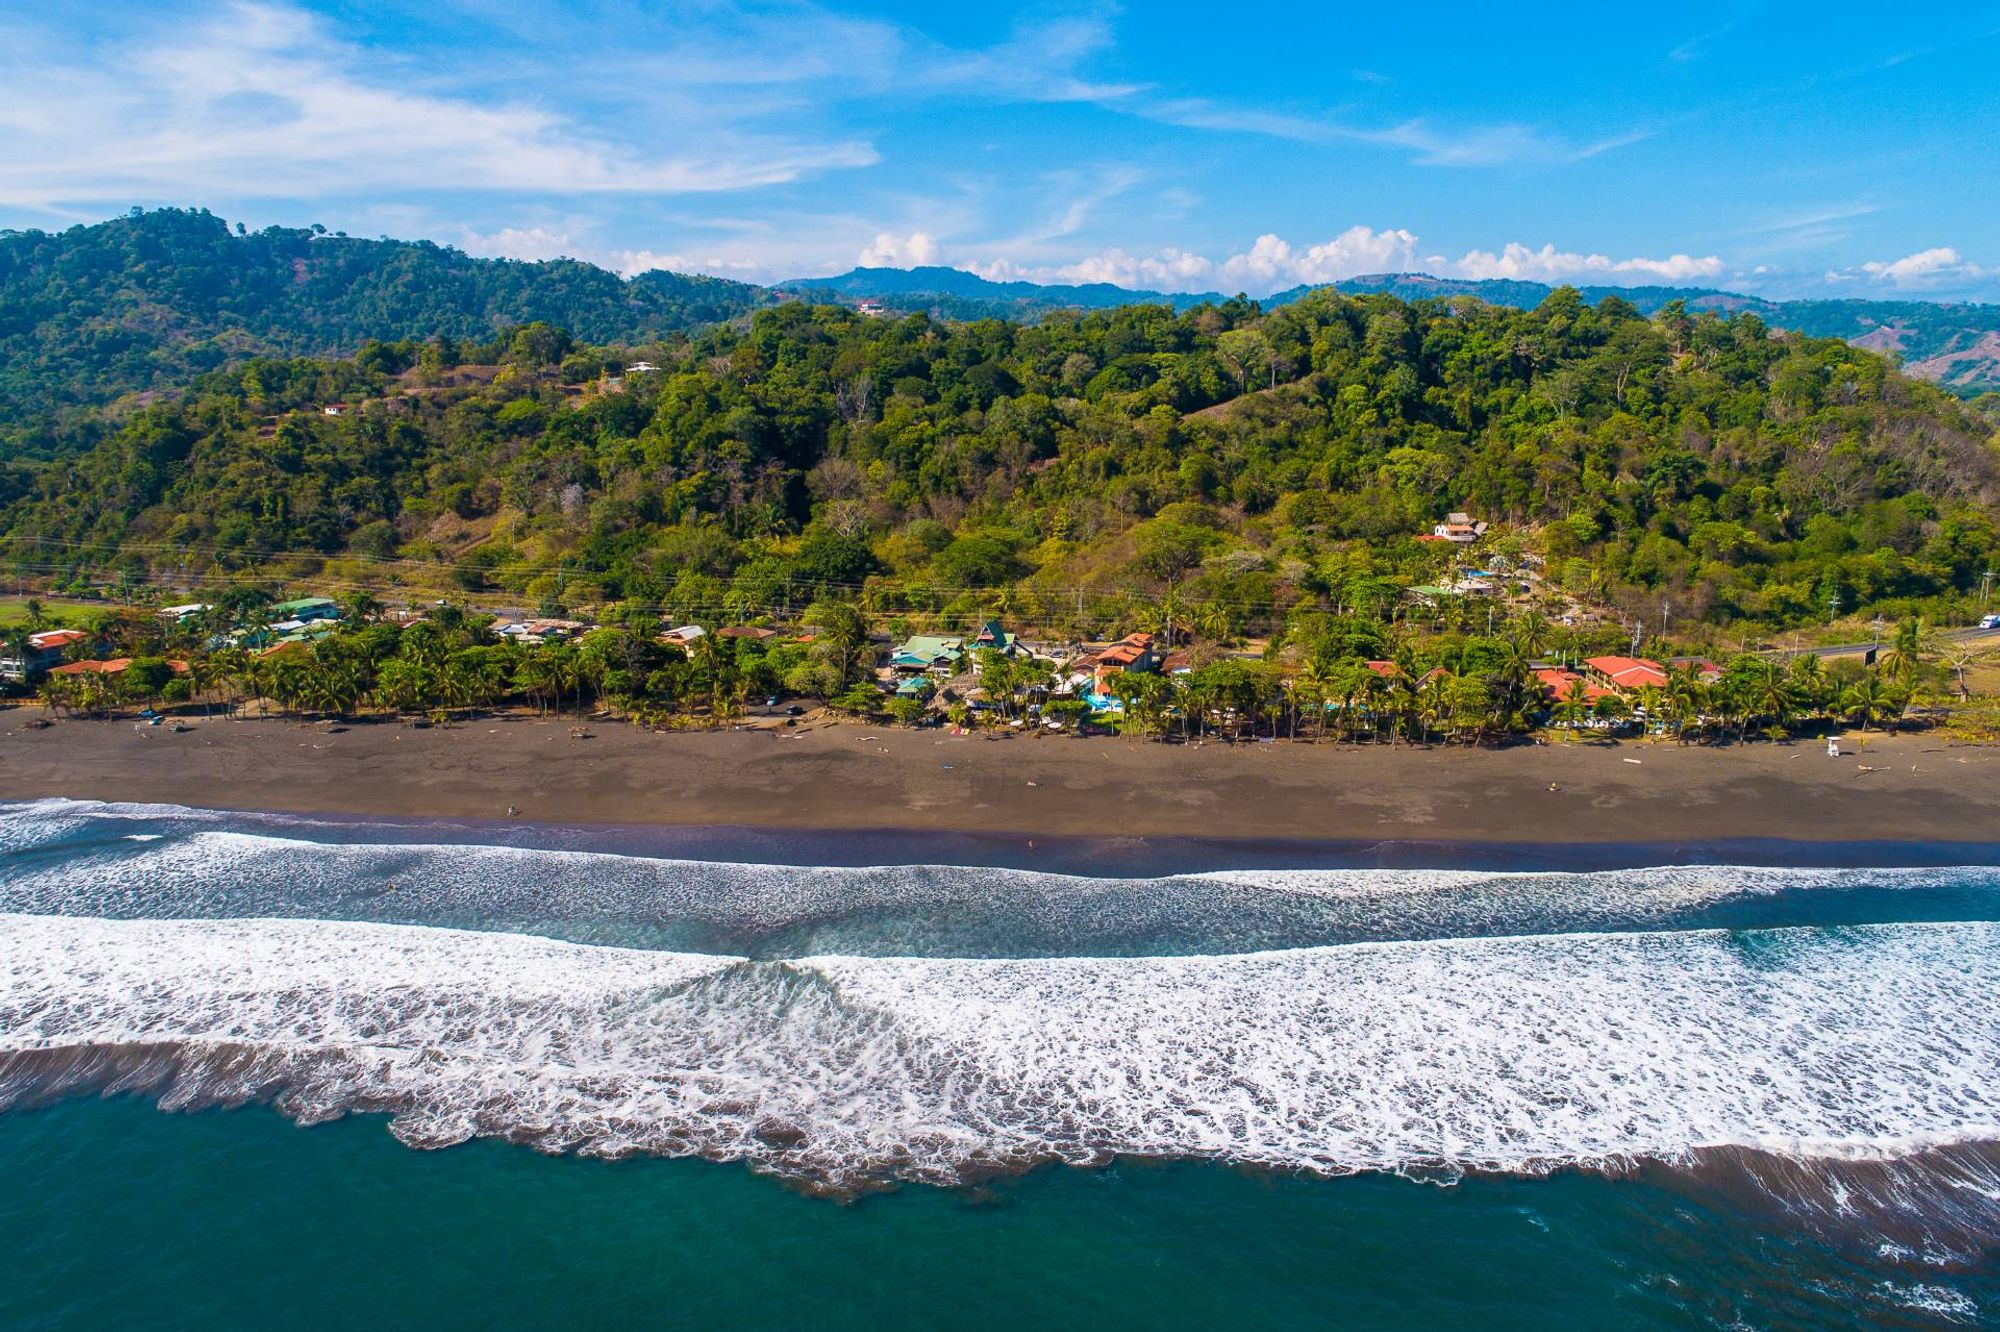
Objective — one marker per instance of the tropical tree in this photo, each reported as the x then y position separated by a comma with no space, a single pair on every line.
1868,700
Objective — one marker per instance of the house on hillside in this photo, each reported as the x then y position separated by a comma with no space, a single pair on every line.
1460,528
641,368
334,409
684,635
541,630
872,309
751,631
179,614
307,608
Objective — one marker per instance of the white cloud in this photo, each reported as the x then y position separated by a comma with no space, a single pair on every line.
1269,264
1549,264
1272,262
531,243
1941,266
265,101
1505,144
919,249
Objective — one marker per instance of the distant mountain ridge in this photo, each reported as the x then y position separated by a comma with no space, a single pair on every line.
150,300
883,283
1956,346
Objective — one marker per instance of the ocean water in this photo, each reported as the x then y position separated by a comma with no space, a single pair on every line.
741,1080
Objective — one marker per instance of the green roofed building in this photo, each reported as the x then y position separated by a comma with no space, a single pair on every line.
928,652
307,608
992,635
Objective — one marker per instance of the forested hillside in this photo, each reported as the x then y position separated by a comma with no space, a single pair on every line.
1258,464
145,302
1955,345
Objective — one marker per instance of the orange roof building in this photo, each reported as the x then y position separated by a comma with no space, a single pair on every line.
1627,672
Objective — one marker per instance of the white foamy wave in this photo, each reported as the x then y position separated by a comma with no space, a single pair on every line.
768,910
1518,1054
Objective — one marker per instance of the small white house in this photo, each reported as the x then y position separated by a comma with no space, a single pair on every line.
1459,527
641,368
334,409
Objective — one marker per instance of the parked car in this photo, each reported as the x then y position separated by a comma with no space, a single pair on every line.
1990,622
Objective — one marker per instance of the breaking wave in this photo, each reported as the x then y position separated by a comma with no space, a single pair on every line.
145,862
1502,1054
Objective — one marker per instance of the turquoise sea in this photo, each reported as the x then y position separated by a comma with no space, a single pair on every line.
427,1075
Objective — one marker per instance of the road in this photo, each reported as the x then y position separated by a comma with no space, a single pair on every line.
1984,636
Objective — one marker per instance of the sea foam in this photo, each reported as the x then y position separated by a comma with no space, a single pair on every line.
1515,1054
64,862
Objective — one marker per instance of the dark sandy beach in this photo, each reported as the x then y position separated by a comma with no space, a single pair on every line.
1903,788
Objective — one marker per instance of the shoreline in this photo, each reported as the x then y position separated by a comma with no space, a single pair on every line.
857,780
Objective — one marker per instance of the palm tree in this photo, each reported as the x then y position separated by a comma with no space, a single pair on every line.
1571,708
534,676
1908,653
1531,632
1217,622
1400,704
1313,686
1867,700
1773,696
1807,682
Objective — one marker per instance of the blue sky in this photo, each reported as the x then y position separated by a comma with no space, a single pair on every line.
1785,149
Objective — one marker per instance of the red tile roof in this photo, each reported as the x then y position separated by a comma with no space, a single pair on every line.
116,666
1557,683
1388,670
55,638
1629,672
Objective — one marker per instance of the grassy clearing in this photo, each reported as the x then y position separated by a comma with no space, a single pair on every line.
14,610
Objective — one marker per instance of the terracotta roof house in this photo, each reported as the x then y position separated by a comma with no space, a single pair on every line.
116,666
1388,670
1458,527
1557,683
44,650
1705,670
1627,672
1134,652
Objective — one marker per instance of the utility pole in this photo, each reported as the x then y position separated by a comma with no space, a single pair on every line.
1832,607
1985,582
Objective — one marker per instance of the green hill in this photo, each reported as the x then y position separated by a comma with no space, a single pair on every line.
143,303
1089,470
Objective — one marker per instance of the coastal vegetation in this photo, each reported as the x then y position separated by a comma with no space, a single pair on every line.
1329,682
1347,517
1075,475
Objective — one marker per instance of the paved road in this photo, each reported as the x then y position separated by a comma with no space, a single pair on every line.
1984,636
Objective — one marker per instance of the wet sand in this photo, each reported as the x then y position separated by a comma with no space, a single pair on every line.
1903,788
